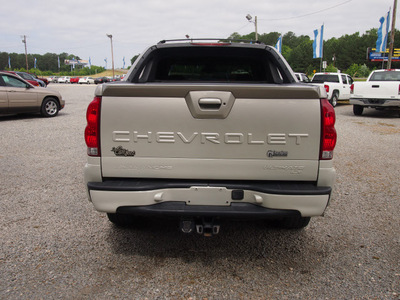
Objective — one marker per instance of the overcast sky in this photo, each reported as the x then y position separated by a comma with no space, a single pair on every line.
80,27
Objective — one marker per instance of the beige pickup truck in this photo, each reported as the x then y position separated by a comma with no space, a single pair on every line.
206,130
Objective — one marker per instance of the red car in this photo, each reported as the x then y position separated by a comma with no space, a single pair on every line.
74,80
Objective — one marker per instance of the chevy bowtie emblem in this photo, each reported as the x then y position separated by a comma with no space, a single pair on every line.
119,151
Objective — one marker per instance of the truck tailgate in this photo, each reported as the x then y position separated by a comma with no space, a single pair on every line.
376,89
266,132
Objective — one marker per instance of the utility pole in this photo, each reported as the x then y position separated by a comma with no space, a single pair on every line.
26,53
391,45
255,24
112,54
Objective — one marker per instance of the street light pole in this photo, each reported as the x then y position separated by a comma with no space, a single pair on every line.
26,53
112,52
249,17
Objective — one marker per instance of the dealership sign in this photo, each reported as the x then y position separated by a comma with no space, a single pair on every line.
74,62
383,56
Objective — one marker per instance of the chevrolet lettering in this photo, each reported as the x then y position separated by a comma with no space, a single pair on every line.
205,130
204,137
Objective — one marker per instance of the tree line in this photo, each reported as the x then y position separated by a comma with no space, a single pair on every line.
347,53
46,65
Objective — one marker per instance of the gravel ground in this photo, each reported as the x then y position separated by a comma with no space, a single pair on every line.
55,246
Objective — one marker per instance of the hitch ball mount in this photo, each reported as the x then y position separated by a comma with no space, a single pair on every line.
204,226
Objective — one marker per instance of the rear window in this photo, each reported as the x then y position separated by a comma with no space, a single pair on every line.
385,76
210,69
321,78
212,64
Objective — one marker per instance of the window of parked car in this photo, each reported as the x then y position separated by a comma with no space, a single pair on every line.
321,78
12,81
385,76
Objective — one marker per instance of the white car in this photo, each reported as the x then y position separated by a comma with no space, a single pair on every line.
87,80
64,79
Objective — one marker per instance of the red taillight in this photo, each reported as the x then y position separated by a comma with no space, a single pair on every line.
328,131
326,88
399,90
92,130
352,89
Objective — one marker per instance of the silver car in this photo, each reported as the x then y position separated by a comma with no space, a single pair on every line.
19,96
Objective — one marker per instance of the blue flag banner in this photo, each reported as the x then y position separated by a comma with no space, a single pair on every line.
278,45
58,62
9,63
383,33
90,63
106,63
318,43
123,67
34,65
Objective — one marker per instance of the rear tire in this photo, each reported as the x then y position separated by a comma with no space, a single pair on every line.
298,222
358,110
334,99
124,220
50,108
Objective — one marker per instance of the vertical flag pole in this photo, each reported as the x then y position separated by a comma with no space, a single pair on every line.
391,45
322,44
320,65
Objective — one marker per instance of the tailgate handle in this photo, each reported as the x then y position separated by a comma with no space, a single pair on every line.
210,103
375,86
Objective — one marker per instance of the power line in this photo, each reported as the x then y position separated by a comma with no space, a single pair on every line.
309,14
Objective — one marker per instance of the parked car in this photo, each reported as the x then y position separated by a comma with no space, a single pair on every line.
380,91
302,77
87,80
55,79
33,82
19,96
64,79
74,80
46,82
101,80
337,85
30,77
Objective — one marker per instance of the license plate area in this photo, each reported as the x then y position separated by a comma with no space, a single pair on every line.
199,195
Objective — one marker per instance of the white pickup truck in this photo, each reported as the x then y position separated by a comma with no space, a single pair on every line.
337,85
380,91
205,130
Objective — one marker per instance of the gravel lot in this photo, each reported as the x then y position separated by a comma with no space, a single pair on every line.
54,245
